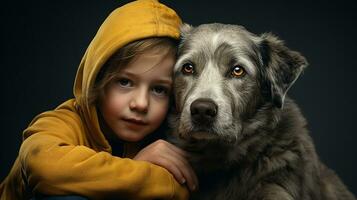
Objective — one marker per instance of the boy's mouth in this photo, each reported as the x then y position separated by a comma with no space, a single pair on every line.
136,121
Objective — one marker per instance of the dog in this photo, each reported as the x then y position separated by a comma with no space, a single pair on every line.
245,137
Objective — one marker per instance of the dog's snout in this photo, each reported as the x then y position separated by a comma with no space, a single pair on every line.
203,110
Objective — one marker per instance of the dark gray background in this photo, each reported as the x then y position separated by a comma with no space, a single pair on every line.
43,42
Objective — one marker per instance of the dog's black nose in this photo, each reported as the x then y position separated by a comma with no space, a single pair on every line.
203,110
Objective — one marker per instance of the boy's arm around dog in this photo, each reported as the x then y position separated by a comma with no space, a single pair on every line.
55,159
64,151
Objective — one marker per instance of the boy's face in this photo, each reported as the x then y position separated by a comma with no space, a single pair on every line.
136,102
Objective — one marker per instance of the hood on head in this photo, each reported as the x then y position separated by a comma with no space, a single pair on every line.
133,21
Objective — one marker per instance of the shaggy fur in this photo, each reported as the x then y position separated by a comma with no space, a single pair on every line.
245,138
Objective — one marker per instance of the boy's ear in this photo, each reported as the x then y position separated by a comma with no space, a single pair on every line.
281,67
185,30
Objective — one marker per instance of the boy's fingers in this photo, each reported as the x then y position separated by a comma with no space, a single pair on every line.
189,170
185,169
172,168
178,156
172,158
190,175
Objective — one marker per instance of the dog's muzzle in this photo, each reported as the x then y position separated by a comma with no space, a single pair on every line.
203,112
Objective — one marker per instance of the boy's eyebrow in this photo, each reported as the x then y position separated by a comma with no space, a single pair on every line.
165,81
160,80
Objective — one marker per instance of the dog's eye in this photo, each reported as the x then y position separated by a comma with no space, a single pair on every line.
238,71
187,68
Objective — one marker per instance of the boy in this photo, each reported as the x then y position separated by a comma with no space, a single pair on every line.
92,145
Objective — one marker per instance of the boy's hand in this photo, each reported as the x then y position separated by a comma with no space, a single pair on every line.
172,158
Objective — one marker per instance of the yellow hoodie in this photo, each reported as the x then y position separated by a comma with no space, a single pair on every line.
65,152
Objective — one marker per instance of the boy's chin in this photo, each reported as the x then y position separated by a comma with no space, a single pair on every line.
131,136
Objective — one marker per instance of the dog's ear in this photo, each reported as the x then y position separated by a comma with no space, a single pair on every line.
185,30
281,67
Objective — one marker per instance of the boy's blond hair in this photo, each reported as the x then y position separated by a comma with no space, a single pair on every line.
124,56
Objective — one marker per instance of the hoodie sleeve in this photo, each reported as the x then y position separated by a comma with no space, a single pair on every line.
54,163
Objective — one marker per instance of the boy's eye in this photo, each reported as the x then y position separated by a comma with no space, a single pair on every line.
124,82
160,90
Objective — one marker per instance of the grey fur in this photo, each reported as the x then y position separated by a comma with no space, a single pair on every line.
258,145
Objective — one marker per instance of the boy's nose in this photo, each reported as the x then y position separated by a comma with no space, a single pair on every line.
140,101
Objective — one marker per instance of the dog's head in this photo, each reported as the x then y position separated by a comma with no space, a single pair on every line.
224,74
